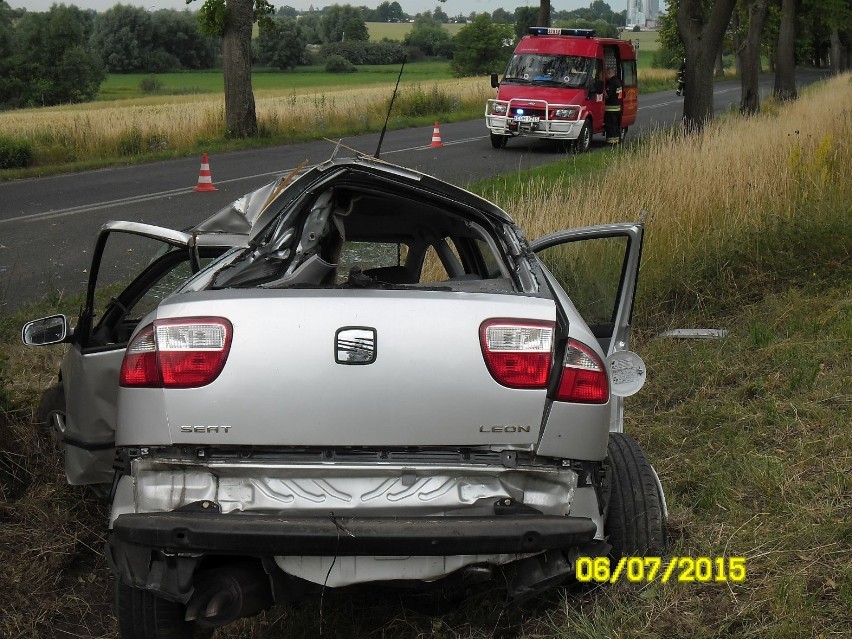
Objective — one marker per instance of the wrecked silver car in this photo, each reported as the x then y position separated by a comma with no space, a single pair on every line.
359,375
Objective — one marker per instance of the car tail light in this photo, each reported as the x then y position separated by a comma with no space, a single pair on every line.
177,353
518,353
584,378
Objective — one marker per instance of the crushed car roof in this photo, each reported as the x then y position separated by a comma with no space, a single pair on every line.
249,214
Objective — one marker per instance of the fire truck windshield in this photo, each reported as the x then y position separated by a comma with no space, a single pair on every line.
564,70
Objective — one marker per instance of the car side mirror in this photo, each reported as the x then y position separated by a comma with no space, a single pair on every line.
47,330
495,82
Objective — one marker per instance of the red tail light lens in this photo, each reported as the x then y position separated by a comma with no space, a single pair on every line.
140,367
584,379
518,353
177,353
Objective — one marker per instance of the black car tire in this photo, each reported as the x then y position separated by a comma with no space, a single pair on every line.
52,400
584,141
499,141
143,615
636,519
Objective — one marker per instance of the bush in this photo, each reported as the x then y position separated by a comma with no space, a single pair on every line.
15,154
417,102
339,64
664,58
358,52
130,142
150,84
636,28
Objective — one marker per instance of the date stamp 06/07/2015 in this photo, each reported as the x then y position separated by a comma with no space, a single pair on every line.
664,569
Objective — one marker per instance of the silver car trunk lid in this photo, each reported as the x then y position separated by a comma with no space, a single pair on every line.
289,381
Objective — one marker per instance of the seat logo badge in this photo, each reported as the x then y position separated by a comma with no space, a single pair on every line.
355,345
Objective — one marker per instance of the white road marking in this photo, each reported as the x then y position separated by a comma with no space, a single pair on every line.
50,215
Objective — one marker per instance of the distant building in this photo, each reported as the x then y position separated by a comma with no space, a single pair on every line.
645,13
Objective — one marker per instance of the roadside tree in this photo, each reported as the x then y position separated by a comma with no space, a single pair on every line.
748,22
701,25
785,61
543,13
282,45
233,20
837,15
481,47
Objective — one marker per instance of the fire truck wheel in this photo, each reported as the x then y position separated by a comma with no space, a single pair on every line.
499,141
584,140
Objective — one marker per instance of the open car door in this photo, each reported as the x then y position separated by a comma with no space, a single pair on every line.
134,267
598,266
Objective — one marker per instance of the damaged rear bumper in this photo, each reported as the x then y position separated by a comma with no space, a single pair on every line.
161,551
257,534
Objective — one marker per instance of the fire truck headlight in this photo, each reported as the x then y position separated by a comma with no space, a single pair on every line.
568,114
498,108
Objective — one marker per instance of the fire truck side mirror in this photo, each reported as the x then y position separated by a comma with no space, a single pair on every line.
494,81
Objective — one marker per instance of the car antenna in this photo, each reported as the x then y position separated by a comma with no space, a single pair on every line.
390,106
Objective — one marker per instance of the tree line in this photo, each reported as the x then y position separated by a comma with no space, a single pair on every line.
62,55
784,32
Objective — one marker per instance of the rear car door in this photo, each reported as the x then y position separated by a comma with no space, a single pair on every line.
134,266
597,267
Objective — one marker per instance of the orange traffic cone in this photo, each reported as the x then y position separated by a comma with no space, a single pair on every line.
205,182
436,137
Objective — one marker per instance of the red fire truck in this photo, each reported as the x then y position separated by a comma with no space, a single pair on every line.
553,87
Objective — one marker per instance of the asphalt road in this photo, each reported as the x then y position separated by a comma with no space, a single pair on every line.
48,225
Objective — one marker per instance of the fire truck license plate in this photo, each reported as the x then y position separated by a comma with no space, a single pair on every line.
527,118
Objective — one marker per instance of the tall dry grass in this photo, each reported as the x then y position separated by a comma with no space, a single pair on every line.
704,194
74,133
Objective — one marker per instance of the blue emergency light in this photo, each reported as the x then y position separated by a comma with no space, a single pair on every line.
583,33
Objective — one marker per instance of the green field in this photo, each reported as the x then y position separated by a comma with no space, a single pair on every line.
119,86
648,40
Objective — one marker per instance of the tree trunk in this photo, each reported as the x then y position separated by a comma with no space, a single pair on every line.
240,116
719,67
702,36
835,52
785,64
748,55
544,13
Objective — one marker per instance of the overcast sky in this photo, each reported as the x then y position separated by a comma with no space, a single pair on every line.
450,7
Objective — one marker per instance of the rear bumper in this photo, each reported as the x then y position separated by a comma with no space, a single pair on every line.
160,552
259,535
